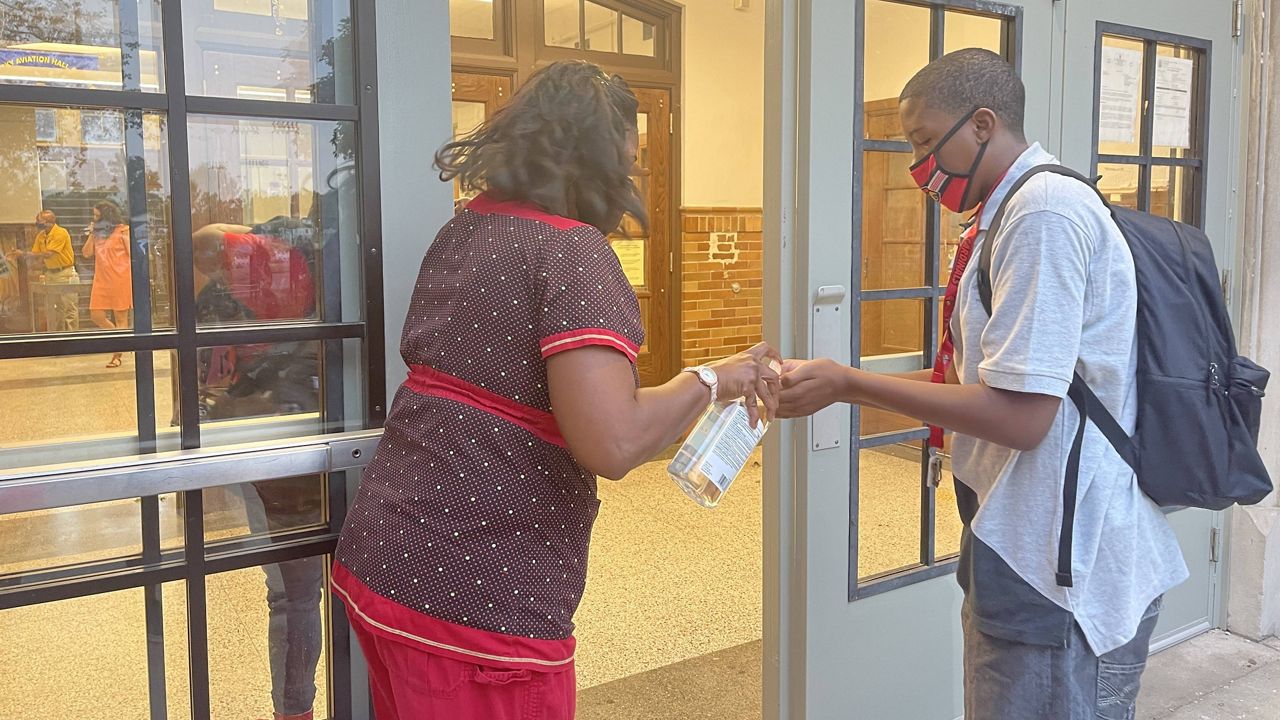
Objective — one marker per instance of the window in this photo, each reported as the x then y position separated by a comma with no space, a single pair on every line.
1151,116
179,281
904,530
598,27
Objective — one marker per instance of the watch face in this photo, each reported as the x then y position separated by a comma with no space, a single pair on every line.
707,375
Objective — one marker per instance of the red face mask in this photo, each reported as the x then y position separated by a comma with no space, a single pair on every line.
951,190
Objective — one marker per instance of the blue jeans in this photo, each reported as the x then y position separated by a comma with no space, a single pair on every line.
1009,680
294,592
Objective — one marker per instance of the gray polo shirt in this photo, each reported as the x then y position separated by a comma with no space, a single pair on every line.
1064,300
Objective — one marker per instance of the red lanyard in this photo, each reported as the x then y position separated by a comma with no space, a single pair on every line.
946,348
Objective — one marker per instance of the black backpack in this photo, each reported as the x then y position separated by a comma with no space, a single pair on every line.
1199,400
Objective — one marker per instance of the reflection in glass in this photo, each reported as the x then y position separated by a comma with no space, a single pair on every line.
278,50
267,641
78,535
637,37
287,389
97,413
66,252
888,510
966,30
1119,184
250,381
896,46
1121,95
561,22
471,18
86,657
1172,192
76,43
274,219
264,510
893,223
602,28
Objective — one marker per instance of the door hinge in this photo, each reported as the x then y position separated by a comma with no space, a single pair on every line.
1215,541
671,262
1226,286
1237,18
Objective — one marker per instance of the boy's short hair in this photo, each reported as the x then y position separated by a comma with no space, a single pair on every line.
965,80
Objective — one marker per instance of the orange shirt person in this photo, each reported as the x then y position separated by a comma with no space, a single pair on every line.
111,299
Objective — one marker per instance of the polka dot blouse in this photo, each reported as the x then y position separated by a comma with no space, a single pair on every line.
472,511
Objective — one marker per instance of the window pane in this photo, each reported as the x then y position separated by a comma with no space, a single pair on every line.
888,510
893,223
893,330
1120,96
265,618
562,23
74,536
964,30
72,269
896,46
96,407
76,43
471,18
637,37
951,228
1176,127
87,657
265,511
947,525
279,390
1119,184
602,28
274,212
1173,192
282,50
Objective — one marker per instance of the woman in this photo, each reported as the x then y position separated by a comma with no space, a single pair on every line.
107,243
464,556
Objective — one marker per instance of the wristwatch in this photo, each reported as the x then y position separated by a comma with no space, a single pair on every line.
707,377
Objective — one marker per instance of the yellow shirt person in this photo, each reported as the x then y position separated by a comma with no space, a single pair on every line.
54,245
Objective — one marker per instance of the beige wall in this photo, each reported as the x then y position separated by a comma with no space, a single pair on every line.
723,118
20,200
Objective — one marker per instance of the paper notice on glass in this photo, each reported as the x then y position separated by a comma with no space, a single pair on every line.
1118,99
1172,127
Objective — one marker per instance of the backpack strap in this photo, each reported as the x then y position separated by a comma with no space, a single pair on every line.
1088,406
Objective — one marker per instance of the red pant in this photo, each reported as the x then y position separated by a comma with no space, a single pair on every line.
409,683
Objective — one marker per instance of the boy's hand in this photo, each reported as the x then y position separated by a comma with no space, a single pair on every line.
811,385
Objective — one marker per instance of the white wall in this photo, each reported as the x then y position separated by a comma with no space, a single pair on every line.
723,118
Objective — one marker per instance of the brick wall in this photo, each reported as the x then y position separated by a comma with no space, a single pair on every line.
722,293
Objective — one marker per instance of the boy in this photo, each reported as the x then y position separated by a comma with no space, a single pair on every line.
1064,299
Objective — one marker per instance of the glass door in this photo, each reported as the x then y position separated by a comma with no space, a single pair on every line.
186,239
866,611
1161,140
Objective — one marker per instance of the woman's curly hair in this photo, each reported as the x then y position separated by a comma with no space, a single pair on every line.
559,144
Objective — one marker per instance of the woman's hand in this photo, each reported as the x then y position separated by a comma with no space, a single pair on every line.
748,375
811,385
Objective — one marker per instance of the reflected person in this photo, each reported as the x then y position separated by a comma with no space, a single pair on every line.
53,248
248,274
107,244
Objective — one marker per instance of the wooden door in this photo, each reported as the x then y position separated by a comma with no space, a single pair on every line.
646,255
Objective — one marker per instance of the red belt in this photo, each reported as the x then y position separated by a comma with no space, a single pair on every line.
430,382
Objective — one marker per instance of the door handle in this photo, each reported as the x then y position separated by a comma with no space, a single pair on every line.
826,335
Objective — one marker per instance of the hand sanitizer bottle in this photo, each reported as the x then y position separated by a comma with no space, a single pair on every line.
717,450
